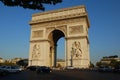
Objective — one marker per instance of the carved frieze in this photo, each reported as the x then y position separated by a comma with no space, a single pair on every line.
62,28
76,29
57,23
49,29
37,34
59,14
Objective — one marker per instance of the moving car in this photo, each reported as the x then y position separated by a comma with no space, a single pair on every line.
43,69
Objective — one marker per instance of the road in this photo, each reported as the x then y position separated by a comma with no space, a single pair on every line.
62,75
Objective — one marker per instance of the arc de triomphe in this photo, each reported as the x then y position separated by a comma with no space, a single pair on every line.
48,27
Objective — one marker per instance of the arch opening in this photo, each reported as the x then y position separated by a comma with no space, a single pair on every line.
61,52
53,37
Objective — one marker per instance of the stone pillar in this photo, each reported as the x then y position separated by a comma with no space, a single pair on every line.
55,54
50,56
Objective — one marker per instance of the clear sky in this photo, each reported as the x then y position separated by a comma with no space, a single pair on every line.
104,31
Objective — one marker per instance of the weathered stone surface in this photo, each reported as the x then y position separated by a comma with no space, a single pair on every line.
48,27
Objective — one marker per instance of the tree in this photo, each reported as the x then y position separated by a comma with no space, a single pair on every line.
98,64
91,65
114,63
115,56
31,4
23,62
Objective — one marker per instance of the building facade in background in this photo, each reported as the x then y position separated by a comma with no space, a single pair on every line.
2,60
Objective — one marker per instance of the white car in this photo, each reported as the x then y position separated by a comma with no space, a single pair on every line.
12,69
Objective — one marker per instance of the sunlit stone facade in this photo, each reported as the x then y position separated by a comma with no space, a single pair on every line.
48,27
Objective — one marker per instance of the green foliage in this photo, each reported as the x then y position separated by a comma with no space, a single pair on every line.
98,64
31,4
23,62
114,63
114,56
91,65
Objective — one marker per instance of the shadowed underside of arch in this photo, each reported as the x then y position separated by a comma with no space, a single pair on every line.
57,34
54,36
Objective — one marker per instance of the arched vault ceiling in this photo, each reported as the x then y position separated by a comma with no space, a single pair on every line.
57,34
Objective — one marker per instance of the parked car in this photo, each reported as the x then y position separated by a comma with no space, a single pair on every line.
3,72
43,69
12,69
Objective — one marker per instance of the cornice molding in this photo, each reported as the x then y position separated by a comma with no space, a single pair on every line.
60,14
75,37
58,10
32,41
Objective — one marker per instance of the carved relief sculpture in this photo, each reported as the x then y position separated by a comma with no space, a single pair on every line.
76,51
36,51
63,28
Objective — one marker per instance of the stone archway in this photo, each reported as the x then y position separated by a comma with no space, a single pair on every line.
46,29
53,37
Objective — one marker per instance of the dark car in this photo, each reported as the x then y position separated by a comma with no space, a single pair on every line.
43,69
116,69
32,68
3,72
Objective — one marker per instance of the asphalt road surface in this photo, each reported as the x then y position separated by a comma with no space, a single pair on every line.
62,75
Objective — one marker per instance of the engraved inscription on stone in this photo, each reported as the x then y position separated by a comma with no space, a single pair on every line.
76,29
37,34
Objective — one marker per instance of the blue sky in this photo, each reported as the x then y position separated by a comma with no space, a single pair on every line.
104,31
